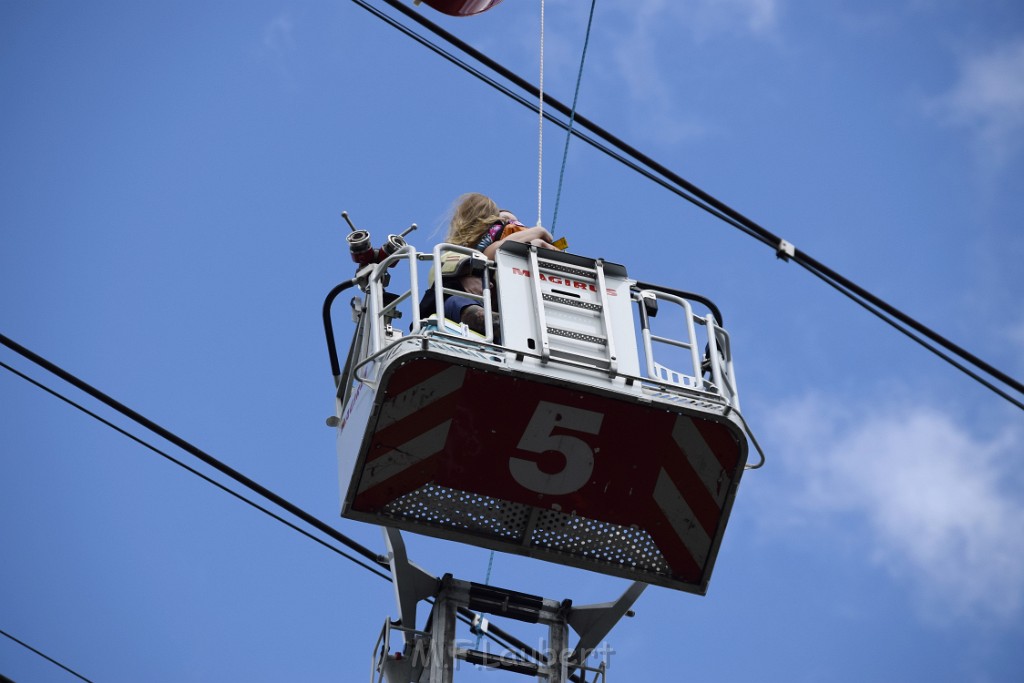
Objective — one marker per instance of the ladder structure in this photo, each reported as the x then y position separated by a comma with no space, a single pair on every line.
557,434
575,430
433,654
577,307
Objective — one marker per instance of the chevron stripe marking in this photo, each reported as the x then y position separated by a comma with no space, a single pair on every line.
716,480
415,398
408,454
683,521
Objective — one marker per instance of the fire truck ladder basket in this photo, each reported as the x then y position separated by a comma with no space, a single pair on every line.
542,436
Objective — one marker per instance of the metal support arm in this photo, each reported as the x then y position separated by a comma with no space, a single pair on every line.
411,582
594,622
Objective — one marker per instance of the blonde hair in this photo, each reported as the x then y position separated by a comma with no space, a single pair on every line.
473,214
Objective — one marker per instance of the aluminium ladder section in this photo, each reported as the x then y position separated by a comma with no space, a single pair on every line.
556,305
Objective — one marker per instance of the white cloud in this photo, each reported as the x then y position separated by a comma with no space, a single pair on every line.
706,19
631,46
278,34
639,34
988,100
699,20
934,498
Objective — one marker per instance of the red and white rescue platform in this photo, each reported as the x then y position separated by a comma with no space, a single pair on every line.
586,435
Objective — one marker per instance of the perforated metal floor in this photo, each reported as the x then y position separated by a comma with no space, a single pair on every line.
549,531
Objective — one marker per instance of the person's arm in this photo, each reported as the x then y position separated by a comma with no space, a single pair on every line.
537,236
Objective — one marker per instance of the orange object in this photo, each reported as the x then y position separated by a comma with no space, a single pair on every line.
513,228
510,229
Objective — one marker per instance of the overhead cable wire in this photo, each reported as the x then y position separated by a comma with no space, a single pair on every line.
683,188
540,122
498,636
192,450
495,633
551,118
917,338
45,656
487,582
699,196
533,106
188,468
572,115
813,265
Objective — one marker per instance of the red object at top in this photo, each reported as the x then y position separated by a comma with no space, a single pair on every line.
461,8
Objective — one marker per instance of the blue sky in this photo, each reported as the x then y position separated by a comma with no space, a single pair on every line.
172,176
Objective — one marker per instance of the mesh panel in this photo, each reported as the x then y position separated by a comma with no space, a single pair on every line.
557,532
459,510
601,542
578,336
575,303
562,268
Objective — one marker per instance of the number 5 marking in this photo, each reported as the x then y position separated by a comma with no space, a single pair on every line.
579,457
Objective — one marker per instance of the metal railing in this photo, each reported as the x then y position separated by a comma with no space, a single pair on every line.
711,374
716,362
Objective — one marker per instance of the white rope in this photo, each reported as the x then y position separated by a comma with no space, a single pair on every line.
540,124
